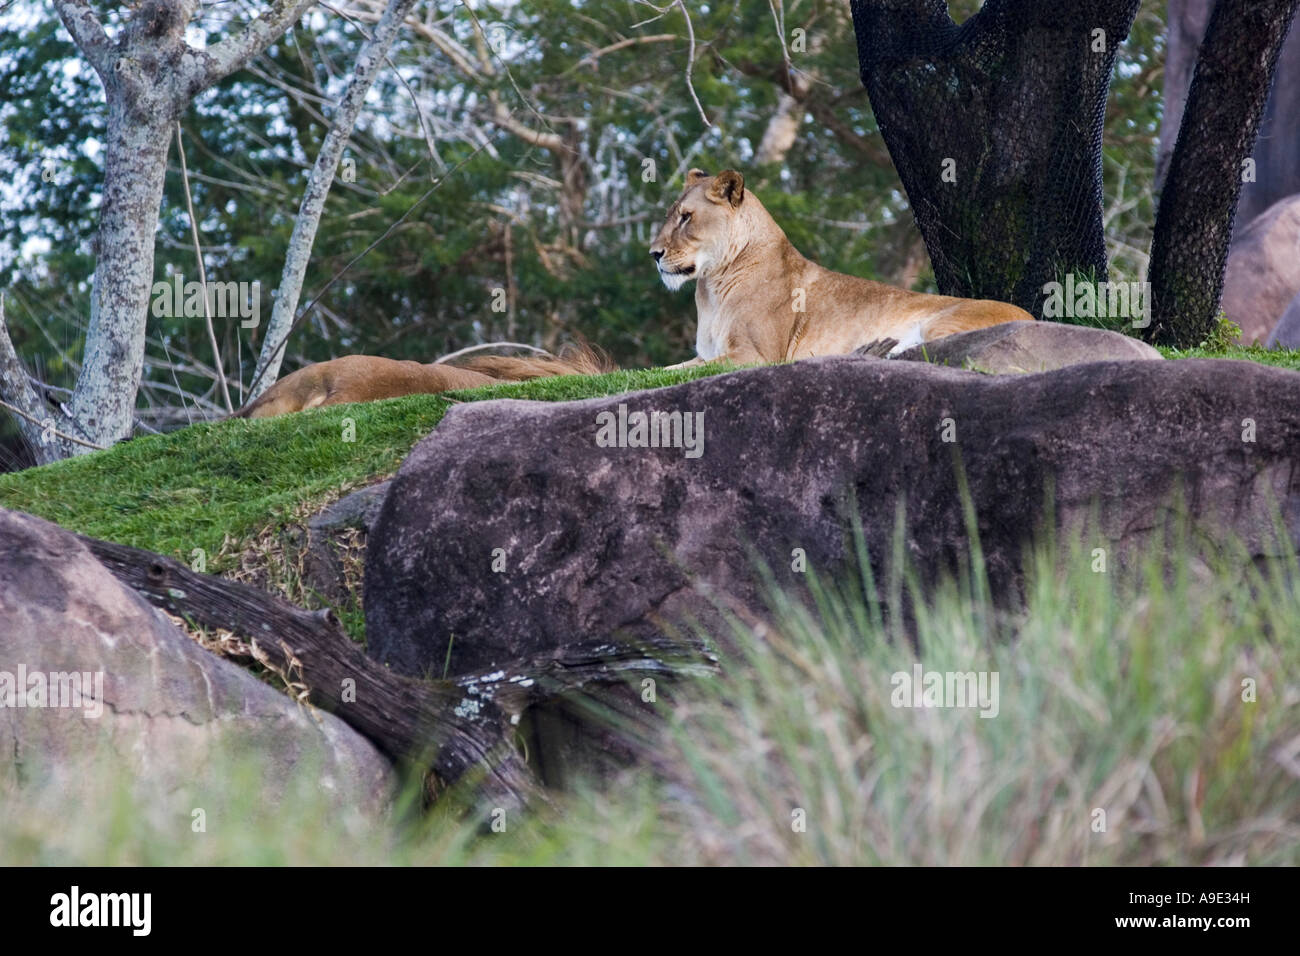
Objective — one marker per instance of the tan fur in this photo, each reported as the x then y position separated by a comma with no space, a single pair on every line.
368,378
572,360
751,281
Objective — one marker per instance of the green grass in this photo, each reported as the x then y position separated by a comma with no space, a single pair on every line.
1120,692
1120,703
1282,358
218,486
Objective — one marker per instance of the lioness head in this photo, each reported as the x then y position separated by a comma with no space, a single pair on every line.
697,234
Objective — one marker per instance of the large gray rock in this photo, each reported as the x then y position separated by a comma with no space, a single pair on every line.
161,708
592,541
1263,271
1020,347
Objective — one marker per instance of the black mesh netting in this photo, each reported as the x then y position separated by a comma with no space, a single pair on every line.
1234,70
1010,105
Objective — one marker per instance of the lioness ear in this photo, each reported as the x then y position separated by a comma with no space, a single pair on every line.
694,176
728,186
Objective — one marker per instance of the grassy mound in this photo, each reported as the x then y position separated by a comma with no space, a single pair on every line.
1281,358
218,487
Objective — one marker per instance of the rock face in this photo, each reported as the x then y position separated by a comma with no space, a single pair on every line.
512,528
1286,334
153,701
1263,272
1020,347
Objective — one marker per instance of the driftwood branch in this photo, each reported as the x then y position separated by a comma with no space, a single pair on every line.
409,720
459,729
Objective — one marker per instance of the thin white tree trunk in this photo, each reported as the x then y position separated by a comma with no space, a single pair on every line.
369,62
135,169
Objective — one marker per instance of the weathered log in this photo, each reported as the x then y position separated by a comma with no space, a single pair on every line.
452,728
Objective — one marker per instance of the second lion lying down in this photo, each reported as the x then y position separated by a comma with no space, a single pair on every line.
758,300
368,378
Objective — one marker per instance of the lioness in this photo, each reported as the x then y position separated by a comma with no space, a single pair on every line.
759,300
368,378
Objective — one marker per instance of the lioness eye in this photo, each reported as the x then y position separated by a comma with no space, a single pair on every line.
686,217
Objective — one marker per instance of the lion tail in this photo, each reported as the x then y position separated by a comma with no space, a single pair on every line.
575,359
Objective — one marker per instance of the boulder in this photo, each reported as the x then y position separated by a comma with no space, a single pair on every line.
335,541
147,698
512,528
357,510
1019,347
1286,334
1263,271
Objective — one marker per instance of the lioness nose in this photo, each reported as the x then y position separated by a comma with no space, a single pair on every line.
657,254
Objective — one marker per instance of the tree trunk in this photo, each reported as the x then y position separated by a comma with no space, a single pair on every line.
1194,223
995,129
135,169
1185,29
1277,149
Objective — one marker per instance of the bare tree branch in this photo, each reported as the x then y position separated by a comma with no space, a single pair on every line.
13,377
690,54
203,273
44,426
219,61
593,58
35,419
369,61
88,33
489,345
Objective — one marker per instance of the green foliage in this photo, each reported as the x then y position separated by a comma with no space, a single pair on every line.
1226,334
494,219
1129,140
